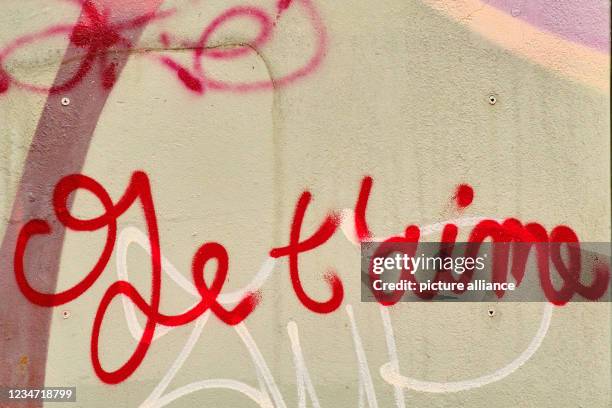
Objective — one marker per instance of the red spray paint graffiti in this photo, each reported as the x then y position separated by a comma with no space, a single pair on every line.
323,234
548,248
464,195
140,189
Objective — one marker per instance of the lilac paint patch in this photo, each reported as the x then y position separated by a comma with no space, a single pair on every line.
585,22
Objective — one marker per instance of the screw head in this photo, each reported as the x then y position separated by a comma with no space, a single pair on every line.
491,312
65,101
492,99
65,314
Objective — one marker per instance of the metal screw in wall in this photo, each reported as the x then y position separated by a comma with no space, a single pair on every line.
492,99
65,101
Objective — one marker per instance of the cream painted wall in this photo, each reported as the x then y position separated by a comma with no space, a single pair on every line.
401,94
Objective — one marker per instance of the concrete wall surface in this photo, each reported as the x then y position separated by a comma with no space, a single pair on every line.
161,160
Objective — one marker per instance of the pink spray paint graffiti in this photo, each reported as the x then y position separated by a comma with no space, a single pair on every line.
97,36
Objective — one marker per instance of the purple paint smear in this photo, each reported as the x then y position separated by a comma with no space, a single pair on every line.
585,22
59,147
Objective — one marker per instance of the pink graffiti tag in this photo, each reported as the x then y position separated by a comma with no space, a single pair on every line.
99,37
